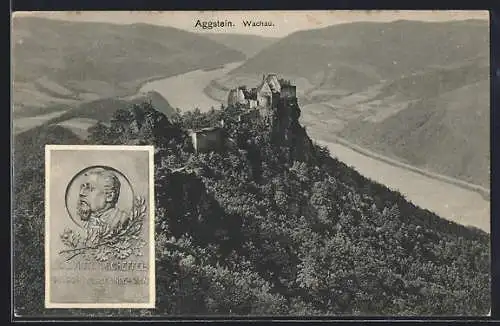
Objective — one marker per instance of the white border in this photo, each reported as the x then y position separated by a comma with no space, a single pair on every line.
152,269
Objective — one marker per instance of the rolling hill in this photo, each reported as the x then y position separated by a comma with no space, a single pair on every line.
358,75
448,134
352,56
104,109
249,45
331,63
62,63
78,118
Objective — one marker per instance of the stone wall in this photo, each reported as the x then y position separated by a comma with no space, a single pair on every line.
288,91
206,140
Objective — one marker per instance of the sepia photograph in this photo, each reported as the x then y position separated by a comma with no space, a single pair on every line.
218,164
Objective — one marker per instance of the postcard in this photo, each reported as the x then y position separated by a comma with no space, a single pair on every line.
245,164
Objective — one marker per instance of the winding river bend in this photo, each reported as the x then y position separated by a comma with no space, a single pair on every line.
186,91
448,200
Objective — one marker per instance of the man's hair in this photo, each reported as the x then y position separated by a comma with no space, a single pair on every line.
110,181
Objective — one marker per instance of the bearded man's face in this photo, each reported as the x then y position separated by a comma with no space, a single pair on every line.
92,197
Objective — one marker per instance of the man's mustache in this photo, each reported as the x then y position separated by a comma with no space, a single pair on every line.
83,209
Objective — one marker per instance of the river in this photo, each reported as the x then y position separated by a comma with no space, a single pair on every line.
445,199
186,91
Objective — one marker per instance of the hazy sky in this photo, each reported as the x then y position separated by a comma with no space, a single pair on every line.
285,22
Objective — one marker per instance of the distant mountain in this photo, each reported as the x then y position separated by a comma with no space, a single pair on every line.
448,134
81,117
63,62
78,118
246,44
408,72
435,80
352,56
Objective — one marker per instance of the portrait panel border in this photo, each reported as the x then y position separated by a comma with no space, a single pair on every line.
151,241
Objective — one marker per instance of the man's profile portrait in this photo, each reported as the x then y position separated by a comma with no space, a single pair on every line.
99,226
97,199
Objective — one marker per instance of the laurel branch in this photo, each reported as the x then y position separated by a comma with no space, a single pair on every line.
120,242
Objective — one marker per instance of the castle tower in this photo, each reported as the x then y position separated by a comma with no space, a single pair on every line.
236,96
240,96
232,97
288,91
273,82
264,95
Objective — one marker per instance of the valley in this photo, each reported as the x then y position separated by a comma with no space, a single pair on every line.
79,62
451,201
336,109
422,98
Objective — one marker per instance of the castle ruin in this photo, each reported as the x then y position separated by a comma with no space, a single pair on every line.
263,98
256,103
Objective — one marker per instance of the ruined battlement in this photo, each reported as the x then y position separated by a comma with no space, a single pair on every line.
263,96
207,139
288,91
259,102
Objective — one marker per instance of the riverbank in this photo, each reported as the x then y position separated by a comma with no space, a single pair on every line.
144,82
459,183
457,204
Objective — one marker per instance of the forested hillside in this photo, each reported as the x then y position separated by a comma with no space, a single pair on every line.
272,225
449,133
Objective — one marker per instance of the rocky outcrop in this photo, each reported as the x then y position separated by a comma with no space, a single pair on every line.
287,130
278,108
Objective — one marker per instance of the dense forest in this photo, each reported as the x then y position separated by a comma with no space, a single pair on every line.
272,225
